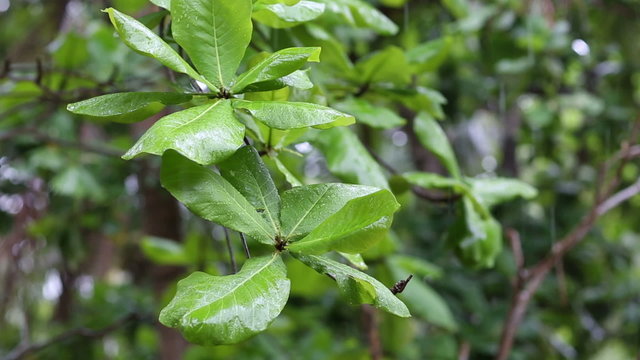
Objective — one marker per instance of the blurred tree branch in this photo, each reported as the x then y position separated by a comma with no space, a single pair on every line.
528,280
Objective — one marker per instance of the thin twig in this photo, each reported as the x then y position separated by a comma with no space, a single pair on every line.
232,257
23,352
245,246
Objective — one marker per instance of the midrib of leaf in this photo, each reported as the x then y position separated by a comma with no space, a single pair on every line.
249,214
248,278
215,43
199,116
307,212
266,208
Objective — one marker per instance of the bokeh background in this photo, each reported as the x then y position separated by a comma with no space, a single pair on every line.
542,90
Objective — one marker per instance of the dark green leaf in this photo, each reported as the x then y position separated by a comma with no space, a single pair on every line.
124,103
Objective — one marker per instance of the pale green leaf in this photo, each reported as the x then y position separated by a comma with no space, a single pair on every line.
162,3
281,16
215,310
356,260
361,14
358,213
164,251
306,207
356,286
435,181
211,197
247,173
493,191
285,115
288,175
277,65
144,41
365,112
388,65
205,134
435,140
348,159
215,34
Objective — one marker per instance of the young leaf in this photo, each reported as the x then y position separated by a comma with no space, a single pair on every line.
277,65
163,3
297,79
378,117
215,310
334,232
247,173
281,16
306,207
205,134
348,159
435,140
144,41
211,197
285,115
357,287
494,191
215,34
124,103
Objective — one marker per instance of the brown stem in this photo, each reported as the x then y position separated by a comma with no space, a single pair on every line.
370,324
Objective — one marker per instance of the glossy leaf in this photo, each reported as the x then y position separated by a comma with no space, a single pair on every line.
334,232
361,14
288,175
215,34
306,207
248,174
281,16
211,197
277,65
493,191
357,287
163,3
215,310
144,41
285,115
365,112
124,103
435,140
348,159
356,260
205,134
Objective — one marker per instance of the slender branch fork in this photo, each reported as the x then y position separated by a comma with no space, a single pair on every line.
528,280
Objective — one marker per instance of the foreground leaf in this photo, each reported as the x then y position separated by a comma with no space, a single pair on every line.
306,207
335,232
247,173
357,287
211,197
215,34
285,115
205,134
124,103
277,65
144,41
215,310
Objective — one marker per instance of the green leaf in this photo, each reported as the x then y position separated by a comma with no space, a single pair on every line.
423,301
247,173
144,41
362,14
124,103
358,213
163,3
205,134
415,266
348,159
357,287
215,310
389,65
285,115
365,112
436,181
493,191
435,140
215,34
430,55
277,65
211,197
164,251
356,260
291,179
281,16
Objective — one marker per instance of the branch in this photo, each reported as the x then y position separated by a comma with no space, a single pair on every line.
528,281
24,351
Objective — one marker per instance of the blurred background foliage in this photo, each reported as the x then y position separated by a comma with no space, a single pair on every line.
540,90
